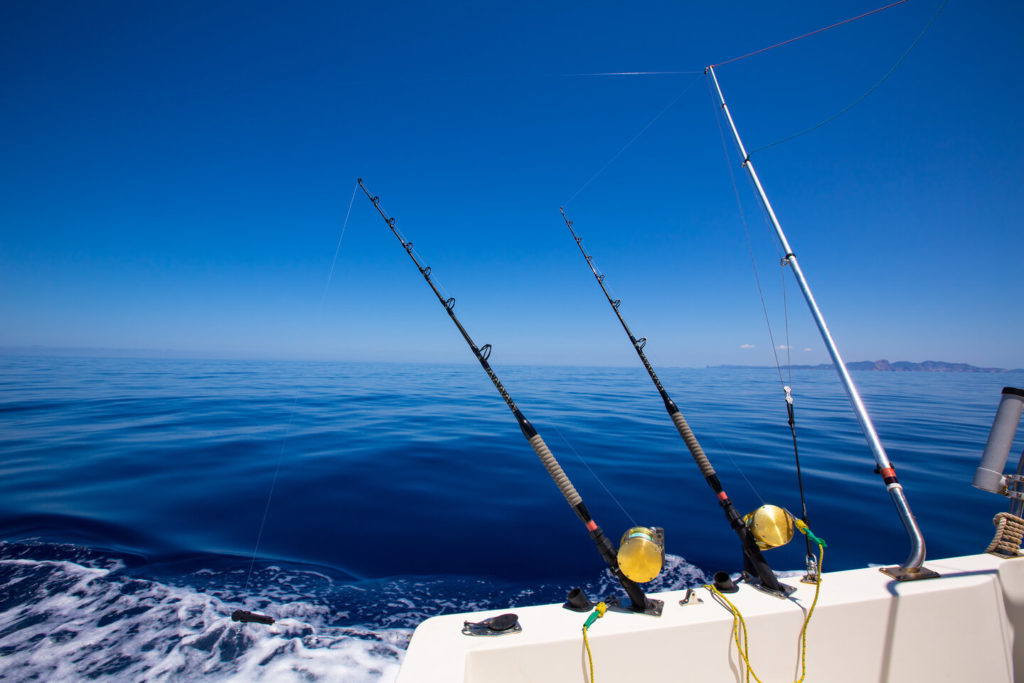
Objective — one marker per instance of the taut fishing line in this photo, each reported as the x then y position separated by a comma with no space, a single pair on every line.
783,261
338,248
787,389
635,137
583,460
515,77
270,494
808,35
291,408
746,232
870,90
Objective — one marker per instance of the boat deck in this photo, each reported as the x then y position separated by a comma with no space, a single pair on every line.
866,627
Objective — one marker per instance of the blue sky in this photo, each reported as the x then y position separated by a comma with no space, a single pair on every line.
175,177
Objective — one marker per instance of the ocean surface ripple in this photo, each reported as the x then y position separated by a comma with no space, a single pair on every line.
143,501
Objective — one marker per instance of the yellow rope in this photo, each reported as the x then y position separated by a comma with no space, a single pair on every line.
590,658
739,624
594,616
807,619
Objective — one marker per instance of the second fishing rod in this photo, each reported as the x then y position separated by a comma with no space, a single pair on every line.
754,563
639,601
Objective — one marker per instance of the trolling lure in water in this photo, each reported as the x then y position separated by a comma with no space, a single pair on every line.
639,601
753,561
247,617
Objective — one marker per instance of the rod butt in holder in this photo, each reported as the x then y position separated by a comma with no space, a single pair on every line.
989,475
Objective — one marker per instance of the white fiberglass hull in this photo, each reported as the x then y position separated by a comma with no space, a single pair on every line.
866,627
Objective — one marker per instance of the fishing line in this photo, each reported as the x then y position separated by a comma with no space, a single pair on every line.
787,389
865,95
785,318
516,77
636,73
291,408
579,457
338,248
270,494
807,35
746,232
633,139
716,445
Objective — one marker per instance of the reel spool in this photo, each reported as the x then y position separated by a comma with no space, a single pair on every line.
771,526
642,553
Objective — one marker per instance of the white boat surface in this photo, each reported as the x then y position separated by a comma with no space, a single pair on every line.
866,626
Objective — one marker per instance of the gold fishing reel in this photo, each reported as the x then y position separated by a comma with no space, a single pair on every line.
642,553
770,525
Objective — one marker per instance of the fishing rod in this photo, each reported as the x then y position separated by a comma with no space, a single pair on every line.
639,601
753,561
912,568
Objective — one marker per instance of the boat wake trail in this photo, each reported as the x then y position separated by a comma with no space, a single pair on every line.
83,616
70,612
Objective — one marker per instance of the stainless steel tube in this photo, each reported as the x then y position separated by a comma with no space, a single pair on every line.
917,552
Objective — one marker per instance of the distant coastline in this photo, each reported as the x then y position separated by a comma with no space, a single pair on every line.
41,351
897,366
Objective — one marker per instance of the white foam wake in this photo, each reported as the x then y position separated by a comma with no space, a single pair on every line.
74,622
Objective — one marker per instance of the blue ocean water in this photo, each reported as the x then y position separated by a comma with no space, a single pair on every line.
143,500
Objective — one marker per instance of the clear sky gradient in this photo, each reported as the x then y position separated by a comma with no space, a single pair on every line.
175,177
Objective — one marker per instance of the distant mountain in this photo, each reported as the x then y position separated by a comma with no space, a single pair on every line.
927,366
902,366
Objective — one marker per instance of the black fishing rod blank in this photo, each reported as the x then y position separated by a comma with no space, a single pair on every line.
639,601
753,561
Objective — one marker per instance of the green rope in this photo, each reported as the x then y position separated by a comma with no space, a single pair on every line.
865,95
819,541
804,529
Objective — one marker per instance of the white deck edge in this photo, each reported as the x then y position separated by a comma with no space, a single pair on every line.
866,627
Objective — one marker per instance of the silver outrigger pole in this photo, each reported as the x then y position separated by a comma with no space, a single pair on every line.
911,568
